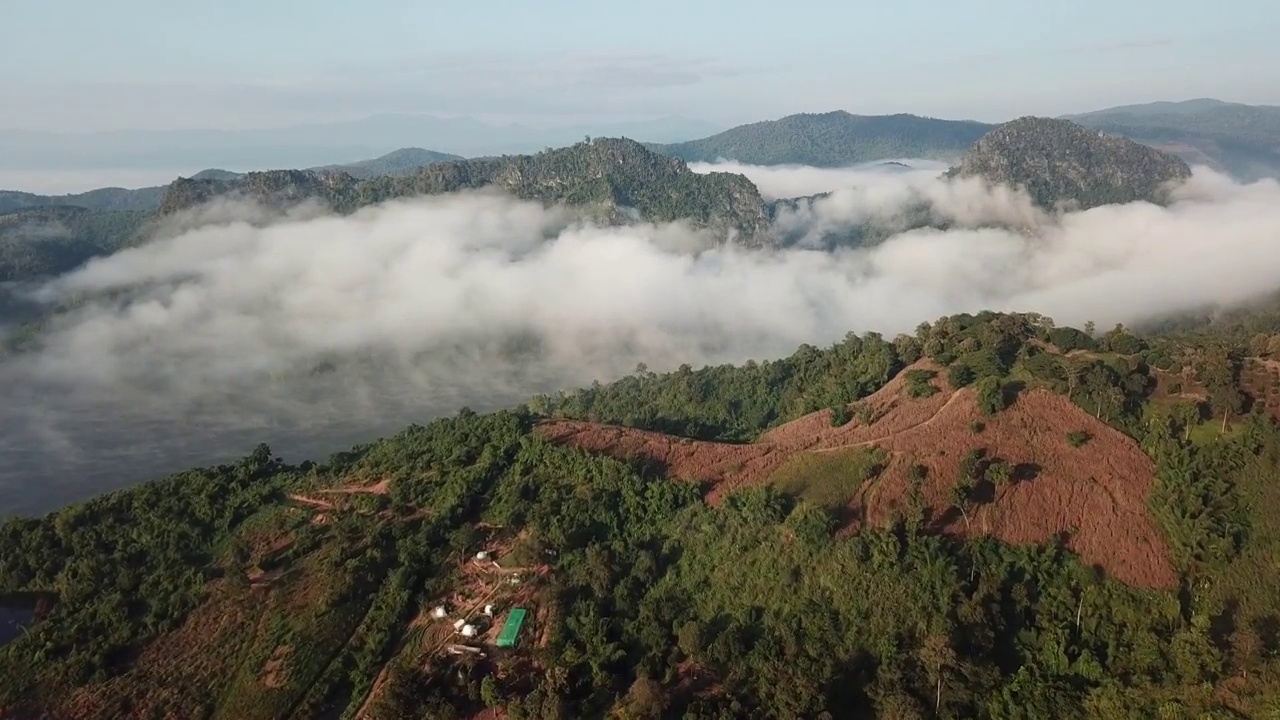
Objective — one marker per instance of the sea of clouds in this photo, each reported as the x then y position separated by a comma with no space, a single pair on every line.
315,331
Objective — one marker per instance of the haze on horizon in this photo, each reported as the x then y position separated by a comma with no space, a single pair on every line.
146,64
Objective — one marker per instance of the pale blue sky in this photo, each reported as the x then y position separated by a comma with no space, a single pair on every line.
94,64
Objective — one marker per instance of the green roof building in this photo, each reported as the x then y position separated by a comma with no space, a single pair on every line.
511,629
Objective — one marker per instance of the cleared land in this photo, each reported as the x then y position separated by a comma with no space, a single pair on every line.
1093,495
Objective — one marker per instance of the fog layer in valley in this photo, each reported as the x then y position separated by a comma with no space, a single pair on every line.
313,333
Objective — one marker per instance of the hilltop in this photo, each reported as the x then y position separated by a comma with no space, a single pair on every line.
1239,139
1058,161
611,178
995,517
109,198
832,139
397,162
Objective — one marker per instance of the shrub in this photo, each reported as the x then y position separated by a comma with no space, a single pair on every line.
999,473
991,398
840,415
865,414
1077,438
1068,338
977,426
960,375
919,385
918,473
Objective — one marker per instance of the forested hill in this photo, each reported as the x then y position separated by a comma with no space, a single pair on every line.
1058,161
832,139
995,518
610,177
1243,140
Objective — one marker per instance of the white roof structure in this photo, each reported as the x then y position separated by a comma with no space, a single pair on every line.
468,630
439,612
459,624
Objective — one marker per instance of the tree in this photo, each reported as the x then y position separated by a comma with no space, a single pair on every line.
962,495
999,473
646,698
937,657
1218,368
489,694
1246,649
990,395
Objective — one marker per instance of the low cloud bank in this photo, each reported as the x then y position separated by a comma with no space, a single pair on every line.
416,307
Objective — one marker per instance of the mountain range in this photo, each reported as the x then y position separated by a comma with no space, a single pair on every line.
398,162
995,517
613,181
311,145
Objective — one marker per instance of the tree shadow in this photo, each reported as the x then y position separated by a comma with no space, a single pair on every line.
1010,391
1026,471
1268,630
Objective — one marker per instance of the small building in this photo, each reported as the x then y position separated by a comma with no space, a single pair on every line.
511,629
439,613
468,631
458,624
482,556
488,610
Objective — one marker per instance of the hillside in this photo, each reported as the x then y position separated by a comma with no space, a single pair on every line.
1242,140
833,139
607,177
1058,161
993,518
41,241
110,198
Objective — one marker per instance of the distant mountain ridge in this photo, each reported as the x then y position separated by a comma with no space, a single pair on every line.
315,144
397,162
1242,140
832,139
613,178
1059,161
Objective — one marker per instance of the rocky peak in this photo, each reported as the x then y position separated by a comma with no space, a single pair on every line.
1058,161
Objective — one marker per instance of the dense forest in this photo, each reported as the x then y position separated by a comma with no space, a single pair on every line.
833,139
264,588
1058,161
613,177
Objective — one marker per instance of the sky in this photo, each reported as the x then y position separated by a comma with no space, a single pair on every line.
86,65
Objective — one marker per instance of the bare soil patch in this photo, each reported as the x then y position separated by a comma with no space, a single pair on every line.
275,672
1095,494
